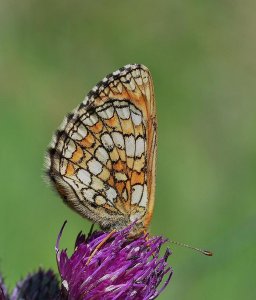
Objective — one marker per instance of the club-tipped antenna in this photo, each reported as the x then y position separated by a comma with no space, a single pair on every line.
202,251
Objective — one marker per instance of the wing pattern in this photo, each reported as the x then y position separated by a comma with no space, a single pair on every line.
102,158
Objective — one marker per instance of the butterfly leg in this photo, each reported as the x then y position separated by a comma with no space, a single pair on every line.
99,245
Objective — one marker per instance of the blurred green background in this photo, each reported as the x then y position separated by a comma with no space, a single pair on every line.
202,58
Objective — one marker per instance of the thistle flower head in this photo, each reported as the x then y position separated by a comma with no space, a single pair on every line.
3,290
40,285
120,268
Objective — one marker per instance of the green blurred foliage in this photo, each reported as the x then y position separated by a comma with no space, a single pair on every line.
202,58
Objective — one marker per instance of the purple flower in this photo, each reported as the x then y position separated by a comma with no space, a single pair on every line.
121,268
3,290
42,285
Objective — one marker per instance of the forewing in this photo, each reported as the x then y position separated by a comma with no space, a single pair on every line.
102,159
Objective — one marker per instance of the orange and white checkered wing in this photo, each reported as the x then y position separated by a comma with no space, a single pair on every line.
102,159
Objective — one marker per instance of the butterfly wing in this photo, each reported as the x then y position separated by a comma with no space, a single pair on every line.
102,158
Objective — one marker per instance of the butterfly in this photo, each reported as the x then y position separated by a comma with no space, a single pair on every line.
102,158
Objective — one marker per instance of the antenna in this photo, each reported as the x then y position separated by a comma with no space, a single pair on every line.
205,252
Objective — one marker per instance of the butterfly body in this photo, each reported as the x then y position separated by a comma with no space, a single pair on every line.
102,159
